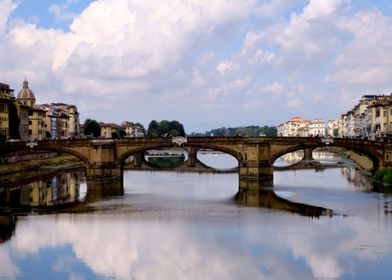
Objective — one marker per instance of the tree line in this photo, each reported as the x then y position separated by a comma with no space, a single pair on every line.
252,130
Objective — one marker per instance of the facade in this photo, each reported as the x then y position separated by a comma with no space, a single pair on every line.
107,129
371,118
23,113
133,130
62,120
6,97
316,128
55,120
299,127
37,123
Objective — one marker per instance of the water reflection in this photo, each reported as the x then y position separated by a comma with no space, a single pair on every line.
56,190
168,225
166,161
269,199
7,227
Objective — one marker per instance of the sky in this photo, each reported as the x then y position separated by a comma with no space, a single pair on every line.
205,63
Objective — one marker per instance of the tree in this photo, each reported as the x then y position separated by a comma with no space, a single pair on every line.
336,132
119,133
153,128
92,127
165,127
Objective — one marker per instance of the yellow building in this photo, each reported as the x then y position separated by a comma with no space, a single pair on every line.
37,123
6,96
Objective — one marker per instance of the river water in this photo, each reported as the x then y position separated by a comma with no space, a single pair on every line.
324,224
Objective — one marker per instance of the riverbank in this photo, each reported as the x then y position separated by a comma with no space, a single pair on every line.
363,162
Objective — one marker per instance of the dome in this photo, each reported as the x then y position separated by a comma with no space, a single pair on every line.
25,92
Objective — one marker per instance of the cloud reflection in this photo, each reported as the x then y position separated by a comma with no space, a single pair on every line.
141,248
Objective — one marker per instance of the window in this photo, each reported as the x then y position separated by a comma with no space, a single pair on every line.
3,108
377,112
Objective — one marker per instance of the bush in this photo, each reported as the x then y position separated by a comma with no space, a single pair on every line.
383,176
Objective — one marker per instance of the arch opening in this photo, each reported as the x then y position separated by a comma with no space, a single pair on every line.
166,158
289,159
218,160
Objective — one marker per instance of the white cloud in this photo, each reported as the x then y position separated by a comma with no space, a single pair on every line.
321,8
131,53
7,6
366,60
275,87
60,12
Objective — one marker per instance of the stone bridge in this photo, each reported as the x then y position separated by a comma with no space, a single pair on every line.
105,158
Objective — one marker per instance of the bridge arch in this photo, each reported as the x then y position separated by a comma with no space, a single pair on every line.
40,148
132,151
374,156
76,154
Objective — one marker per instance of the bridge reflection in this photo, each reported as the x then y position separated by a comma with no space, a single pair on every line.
69,192
269,199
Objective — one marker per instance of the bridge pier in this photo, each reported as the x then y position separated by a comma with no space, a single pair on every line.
103,161
103,171
138,159
308,154
192,156
254,177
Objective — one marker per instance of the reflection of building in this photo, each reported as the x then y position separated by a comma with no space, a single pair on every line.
63,188
293,157
356,177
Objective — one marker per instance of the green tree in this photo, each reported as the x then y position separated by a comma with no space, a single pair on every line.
92,127
120,132
336,132
165,127
153,128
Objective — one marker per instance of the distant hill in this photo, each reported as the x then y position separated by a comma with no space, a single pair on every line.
242,130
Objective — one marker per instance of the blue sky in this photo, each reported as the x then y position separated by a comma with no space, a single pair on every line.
207,64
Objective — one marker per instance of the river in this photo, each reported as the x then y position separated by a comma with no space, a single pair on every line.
324,224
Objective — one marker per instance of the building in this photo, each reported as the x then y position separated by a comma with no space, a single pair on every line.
54,120
108,128
6,98
133,129
62,120
25,95
299,127
333,127
37,123
36,115
23,113
316,128
371,118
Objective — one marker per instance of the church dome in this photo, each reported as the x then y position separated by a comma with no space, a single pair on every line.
25,92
